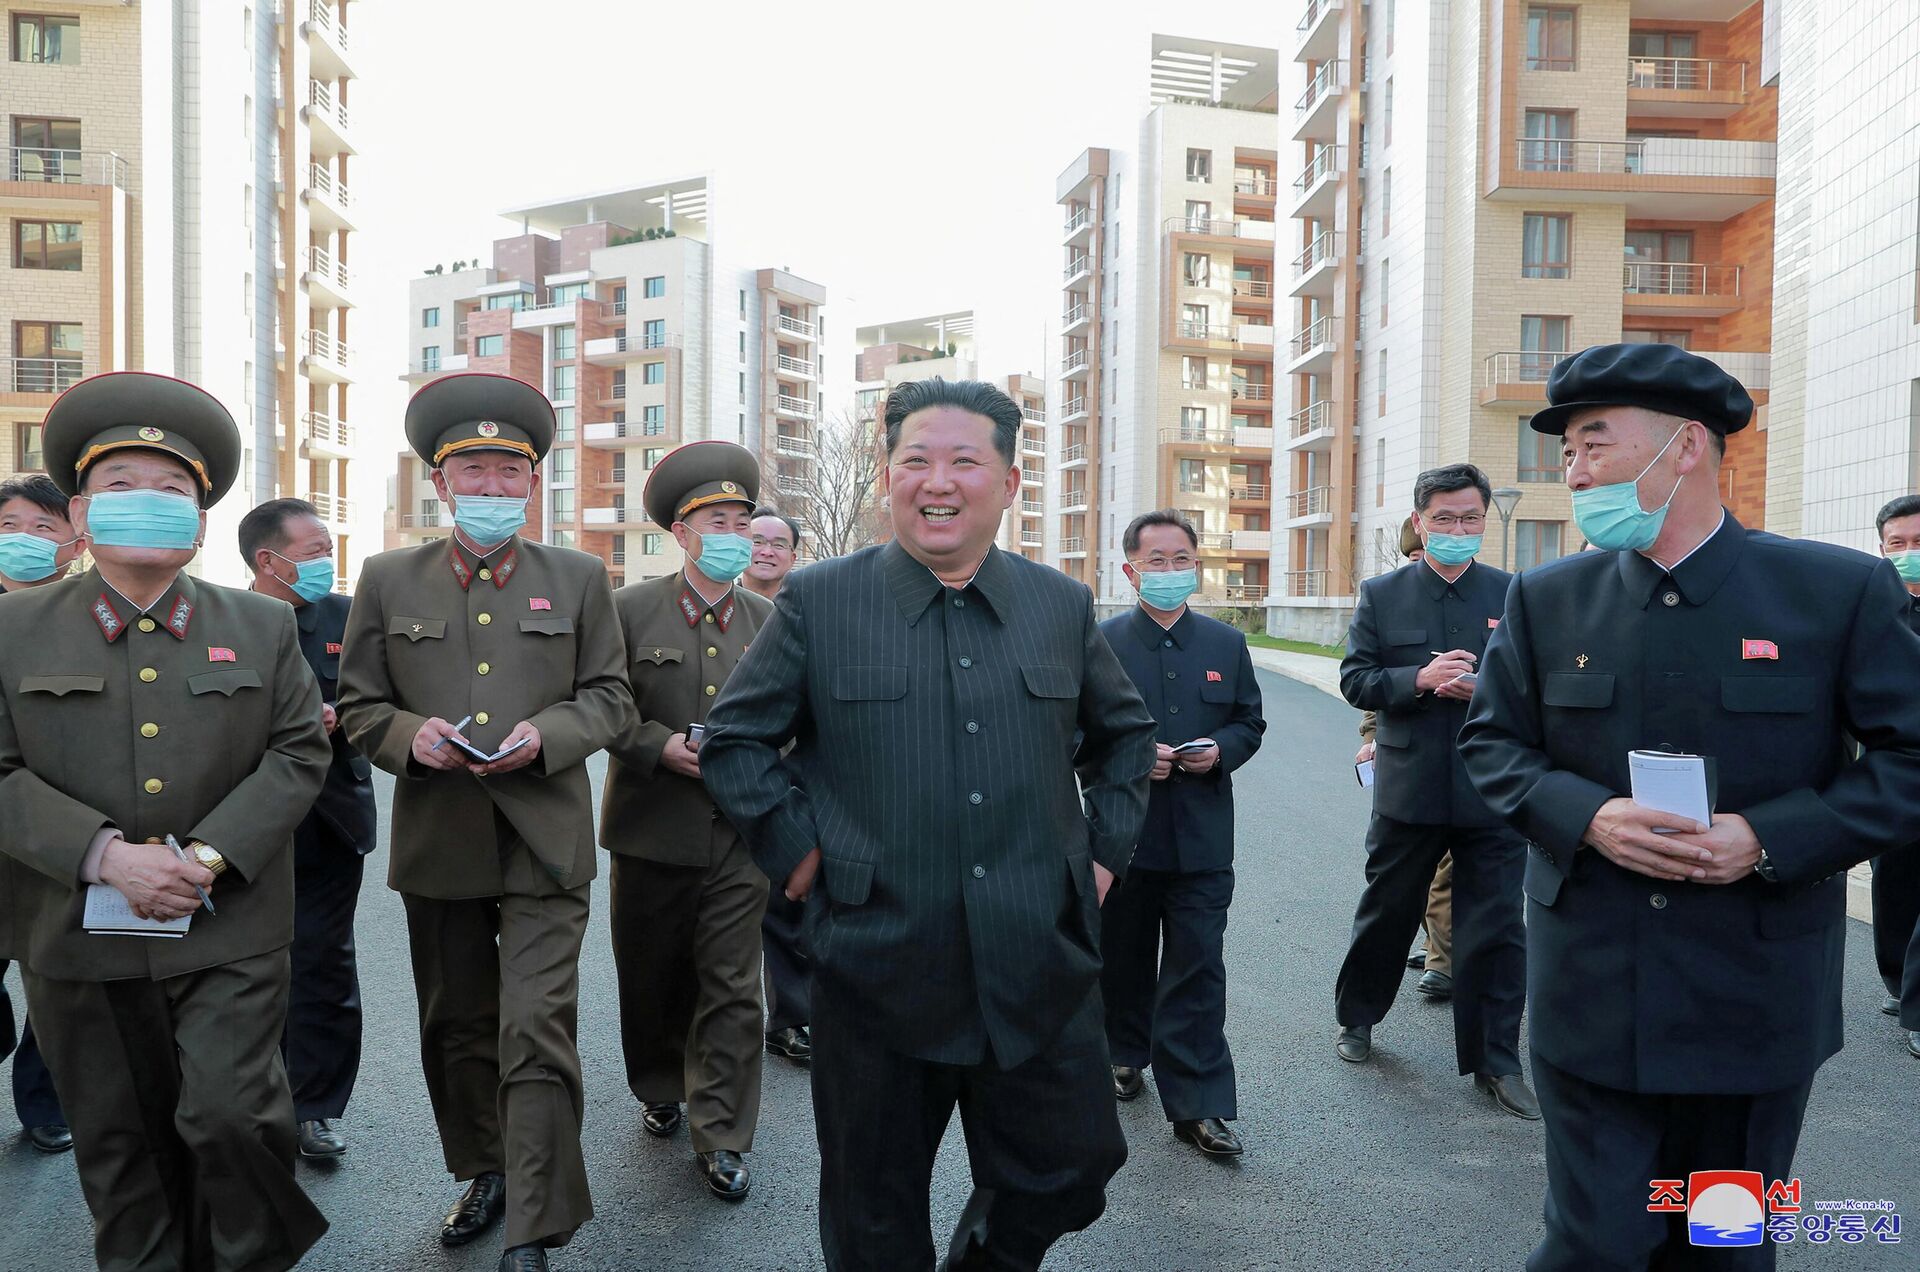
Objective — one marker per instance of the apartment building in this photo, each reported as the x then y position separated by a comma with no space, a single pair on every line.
623,309
1166,378
942,345
175,196
1480,191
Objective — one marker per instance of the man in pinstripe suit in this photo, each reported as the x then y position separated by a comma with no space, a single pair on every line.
933,688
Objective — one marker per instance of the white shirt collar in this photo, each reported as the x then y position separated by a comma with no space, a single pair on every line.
1690,551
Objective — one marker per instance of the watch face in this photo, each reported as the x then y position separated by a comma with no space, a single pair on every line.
206,855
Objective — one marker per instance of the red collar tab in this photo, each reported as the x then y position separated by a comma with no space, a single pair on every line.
458,560
692,606
111,624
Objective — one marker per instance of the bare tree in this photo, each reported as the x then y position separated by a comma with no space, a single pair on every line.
838,502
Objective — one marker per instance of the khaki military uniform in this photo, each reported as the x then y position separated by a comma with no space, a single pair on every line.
494,871
687,898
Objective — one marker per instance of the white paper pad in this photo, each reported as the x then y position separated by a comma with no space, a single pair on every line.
108,914
1364,772
1670,783
481,757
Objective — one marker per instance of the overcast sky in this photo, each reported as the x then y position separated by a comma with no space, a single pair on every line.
902,155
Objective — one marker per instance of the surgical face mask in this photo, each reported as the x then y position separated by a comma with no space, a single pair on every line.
313,579
27,558
489,519
1168,589
724,556
1908,563
143,519
1453,549
1611,516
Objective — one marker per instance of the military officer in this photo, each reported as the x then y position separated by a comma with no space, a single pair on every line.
1685,986
511,648
1896,876
687,899
290,551
140,706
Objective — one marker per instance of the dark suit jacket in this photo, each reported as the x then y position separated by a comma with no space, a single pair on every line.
1401,618
345,812
1197,680
1763,653
933,766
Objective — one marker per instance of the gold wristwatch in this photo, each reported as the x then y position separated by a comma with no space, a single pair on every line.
205,855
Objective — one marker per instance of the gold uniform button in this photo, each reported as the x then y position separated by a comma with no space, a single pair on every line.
480,718
146,624
149,675
709,618
149,730
155,786
712,652
486,573
483,668
711,690
484,619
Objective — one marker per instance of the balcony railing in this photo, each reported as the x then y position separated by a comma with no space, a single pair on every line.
1252,492
331,507
1247,593
1324,250
1077,220
794,406
420,520
1249,391
1073,454
1260,183
321,345
1306,582
1320,333
1215,228
320,100
1073,497
1076,314
1315,416
801,447
1032,507
791,486
324,184
793,366
321,16
1324,81
1253,288
67,167
1314,501
1326,162
1073,543
1034,414
615,308
1687,74
1202,331
1029,538
1193,435
320,261
41,375
1527,366
1074,361
1314,8
1077,265
1649,156
795,327
317,427
1679,278
1075,406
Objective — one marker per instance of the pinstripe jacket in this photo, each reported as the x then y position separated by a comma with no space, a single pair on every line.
933,766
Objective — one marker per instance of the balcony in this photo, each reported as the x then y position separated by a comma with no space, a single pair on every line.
415,522
795,327
1214,541
1076,409
1314,270
433,368
1075,365
326,436
1252,541
1247,238
1656,178
1079,227
1033,444
1078,267
615,350
333,510
1518,378
1304,583
1310,507
1256,293
794,447
1312,350
792,486
612,518
1030,538
1253,392
799,368
1680,289
323,358
1073,546
327,121
1074,499
1314,188
1685,86
795,408
1032,475
40,375
1246,593
67,167
1032,507
326,42
1311,428
327,200
1076,319
1317,37
1251,492
1315,112
622,436
1255,185
1188,438
326,280
1074,456
1033,415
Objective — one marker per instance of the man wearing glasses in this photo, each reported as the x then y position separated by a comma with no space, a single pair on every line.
1416,639
1163,929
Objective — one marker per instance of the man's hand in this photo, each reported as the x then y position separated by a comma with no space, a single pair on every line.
156,884
1365,752
1162,761
1102,883
1197,762
1734,846
800,882
1443,668
1460,690
446,759
329,718
519,759
1623,832
679,757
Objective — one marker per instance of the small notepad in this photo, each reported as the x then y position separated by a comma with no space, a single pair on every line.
1669,783
108,914
1363,773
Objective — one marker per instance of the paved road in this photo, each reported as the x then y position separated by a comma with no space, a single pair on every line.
1393,1165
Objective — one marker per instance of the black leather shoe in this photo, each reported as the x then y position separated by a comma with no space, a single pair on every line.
1417,959
526,1258
661,1120
1127,1082
795,1044
1355,1043
727,1175
54,1137
1511,1092
319,1139
1890,1006
1437,985
1211,1136
484,1201
1913,1043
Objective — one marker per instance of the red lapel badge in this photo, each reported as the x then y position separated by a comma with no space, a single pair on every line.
1213,677
1492,623
217,653
539,603
1750,649
333,647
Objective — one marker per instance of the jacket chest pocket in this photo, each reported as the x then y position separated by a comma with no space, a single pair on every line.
59,719
1771,695
1405,646
869,684
555,625
1589,690
415,630
655,657
1216,692
226,682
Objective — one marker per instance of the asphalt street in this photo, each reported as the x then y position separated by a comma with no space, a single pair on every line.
1396,1164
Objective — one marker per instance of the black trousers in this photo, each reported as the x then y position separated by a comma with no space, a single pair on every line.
1489,934
322,1039
1164,979
1043,1139
1896,929
33,1095
789,969
1604,1147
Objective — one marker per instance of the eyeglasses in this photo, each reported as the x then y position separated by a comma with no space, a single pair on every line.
1157,564
1446,522
761,542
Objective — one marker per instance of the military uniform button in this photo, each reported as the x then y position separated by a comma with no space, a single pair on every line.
712,652
149,730
149,675
1173,675
959,602
1173,711
484,668
481,717
155,786
1670,599
974,798
712,689
979,872
1166,644
973,726
709,618
1658,901
966,662
484,619
485,573
146,624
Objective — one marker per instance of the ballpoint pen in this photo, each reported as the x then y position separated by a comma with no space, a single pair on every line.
181,853
456,728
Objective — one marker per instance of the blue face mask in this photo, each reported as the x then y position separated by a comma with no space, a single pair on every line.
1611,516
724,556
1908,563
489,519
1168,589
1453,549
313,579
143,519
27,558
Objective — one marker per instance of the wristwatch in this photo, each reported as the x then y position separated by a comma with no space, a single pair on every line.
1764,868
206,856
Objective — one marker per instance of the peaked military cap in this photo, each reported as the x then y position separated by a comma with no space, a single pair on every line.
698,474
1655,377
137,410
477,410
1409,538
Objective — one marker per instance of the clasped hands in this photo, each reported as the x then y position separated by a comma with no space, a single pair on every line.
1623,832
449,759
156,883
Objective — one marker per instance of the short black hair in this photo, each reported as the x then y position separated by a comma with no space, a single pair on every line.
1450,477
35,488
1904,506
969,395
1130,539
266,526
793,527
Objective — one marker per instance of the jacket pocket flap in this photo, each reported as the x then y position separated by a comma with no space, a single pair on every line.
1045,680
61,686
848,882
227,680
1392,729
558,625
1216,691
1404,635
1767,693
869,684
1542,879
658,655
1577,689
417,628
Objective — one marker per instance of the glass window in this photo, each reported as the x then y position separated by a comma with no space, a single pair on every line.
1193,476
489,346
1549,38
651,544
429,357
656,287
563,382
1539,454
563,423
1386,201
1666,59
1548,144
512,300
1544,239
653,333
653,373
1199,165
1536,542
1643,335
1196,269
653,420
46,149
1193,422
1386,121
561,501
1543,339
44,38
1386,279
561,466
566,293
565,342
27,453
651,456
430,316
46,245
1193,373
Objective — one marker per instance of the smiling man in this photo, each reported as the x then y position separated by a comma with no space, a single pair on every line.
933,689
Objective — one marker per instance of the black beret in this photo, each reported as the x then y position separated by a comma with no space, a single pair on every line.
1655,377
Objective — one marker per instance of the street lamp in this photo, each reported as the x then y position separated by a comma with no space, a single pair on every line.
1504,499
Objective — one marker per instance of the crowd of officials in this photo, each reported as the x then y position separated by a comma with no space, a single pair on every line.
912,817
